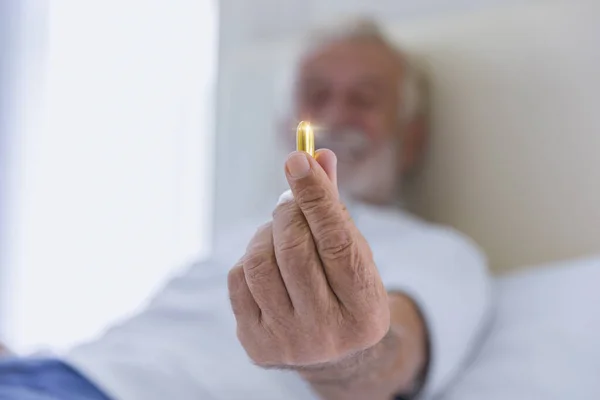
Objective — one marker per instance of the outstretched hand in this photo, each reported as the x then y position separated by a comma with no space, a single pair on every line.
307,293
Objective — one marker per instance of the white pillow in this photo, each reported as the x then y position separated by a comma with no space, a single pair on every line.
544,341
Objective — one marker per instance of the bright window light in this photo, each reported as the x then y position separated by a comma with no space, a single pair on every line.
114,184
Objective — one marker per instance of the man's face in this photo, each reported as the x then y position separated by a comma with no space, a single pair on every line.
349,92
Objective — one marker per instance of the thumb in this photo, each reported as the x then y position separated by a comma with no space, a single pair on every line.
327,160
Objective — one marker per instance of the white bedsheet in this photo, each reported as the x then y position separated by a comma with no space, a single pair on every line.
544,341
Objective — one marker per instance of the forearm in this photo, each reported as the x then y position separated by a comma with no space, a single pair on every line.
393,366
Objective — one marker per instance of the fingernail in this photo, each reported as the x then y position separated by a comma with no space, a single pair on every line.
297,165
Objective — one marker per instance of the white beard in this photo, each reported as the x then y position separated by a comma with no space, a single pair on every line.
374,178
364,173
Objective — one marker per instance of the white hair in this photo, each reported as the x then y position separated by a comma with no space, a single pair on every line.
412,88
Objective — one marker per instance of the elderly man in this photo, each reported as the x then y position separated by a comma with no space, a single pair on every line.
342,295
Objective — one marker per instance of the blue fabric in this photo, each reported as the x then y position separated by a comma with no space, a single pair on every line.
35,379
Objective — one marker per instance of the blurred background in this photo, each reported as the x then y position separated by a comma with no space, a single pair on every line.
123,126
107,159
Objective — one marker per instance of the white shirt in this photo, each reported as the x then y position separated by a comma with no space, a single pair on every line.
183,346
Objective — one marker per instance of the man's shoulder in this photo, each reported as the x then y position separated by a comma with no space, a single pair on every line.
398,229
442,235
446,241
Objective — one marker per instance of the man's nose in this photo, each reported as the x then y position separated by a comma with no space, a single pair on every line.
337,114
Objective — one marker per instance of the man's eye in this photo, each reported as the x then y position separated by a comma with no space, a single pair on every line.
317,98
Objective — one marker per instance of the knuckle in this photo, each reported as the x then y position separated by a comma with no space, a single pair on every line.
261,239
294,232
336,244
278,326
293,240
289,217
235,278
236,297
237,308
258,266
313,198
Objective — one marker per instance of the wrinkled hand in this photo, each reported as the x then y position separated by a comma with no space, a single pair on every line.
307,292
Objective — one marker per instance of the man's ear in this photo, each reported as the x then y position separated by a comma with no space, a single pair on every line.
414,144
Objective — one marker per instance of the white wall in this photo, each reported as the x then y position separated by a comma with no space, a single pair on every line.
8,18
3,164
111,162
244,23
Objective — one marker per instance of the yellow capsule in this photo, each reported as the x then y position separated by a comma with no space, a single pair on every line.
305,138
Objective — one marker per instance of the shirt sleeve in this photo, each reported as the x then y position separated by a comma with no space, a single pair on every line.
164,352
183,344
446,275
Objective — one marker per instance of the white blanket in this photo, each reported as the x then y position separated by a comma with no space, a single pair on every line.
544,342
